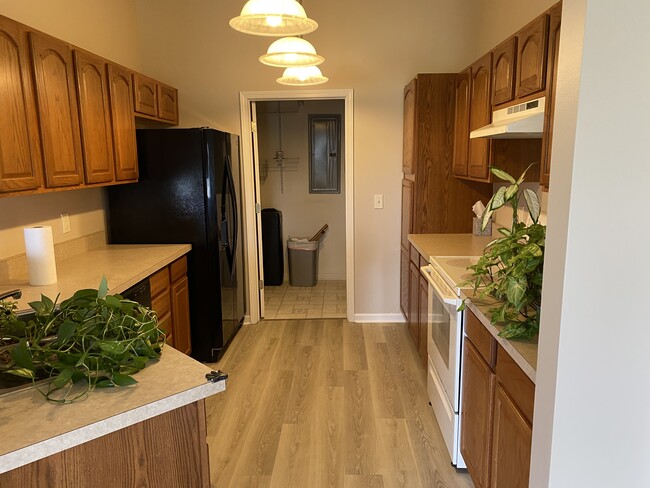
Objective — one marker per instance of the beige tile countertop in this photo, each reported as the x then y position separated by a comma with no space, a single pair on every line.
449,244
523,352
123,265
32,428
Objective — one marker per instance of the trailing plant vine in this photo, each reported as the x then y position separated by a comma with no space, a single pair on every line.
92,339
510,269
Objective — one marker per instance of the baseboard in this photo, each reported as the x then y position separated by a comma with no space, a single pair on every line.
391,318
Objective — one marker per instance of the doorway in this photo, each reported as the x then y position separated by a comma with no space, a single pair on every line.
268,181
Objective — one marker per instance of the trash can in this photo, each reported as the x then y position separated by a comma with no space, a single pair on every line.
303,261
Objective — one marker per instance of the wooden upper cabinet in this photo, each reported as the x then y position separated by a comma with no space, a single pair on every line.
145,97
555,18
531,57
121,99
461,131
20,155
57,108
410,128
167,103
480,115
94,117
503,71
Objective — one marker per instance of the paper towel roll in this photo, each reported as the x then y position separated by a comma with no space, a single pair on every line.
39,248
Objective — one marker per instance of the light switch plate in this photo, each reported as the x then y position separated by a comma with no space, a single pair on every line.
65,223
378,201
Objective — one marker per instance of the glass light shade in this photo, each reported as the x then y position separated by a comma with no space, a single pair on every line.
273,18
302,75
291,51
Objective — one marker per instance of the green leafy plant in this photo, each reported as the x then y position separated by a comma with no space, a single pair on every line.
92,339
510,269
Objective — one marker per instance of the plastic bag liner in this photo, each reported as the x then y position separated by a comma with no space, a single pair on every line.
302,244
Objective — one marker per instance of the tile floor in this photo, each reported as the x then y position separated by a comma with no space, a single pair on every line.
325,300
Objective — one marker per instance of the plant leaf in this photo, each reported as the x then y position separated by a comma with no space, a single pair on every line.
499,173
515,291
486,218
22,372
66,331
62,378
123,379
103,288
113,302
21,355
532,202
511,191
498,199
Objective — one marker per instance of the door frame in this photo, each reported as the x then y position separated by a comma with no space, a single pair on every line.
249,180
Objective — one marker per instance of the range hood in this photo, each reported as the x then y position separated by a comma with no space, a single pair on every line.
522,121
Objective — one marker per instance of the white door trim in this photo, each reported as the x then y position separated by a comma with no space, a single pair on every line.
252,264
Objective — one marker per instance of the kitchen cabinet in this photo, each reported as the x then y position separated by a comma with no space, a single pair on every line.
531,57
480,115
555,19
461,131
503,71
423,315
58,119
94,117
20,157
404,280
170,300
124,144
496,411
410,127
154,100
413,319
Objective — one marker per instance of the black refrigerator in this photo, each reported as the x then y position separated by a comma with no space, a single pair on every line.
189,192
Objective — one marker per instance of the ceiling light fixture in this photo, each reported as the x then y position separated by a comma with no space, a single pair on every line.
291,51
302,75
273,18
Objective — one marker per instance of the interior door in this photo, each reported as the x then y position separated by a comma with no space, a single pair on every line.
258,207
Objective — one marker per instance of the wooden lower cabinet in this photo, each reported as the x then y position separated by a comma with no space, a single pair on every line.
169,450
414,311
511,443
476,417
404,281
170,299
423,320
496,412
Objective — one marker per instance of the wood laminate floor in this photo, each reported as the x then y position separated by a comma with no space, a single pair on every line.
325,403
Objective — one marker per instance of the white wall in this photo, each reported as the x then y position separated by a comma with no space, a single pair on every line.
592,407
372,47
105,28
303,213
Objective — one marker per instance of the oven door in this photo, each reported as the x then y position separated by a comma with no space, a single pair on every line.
444,335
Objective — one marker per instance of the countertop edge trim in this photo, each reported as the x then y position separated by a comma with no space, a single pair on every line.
53,445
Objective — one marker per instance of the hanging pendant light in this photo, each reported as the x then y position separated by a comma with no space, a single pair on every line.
291,51
302,75
273,18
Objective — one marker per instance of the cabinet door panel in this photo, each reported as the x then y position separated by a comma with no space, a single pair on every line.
146,95
480,115
551,83
413,318
511,444
181,316
121,97
167,103
423,307
404,281
20,156
476,415
57,111
94,116
407,211
461,131
503,71
531,57
410,128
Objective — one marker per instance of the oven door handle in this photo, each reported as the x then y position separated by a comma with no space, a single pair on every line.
426,272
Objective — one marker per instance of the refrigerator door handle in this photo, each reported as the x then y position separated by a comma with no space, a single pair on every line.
235,223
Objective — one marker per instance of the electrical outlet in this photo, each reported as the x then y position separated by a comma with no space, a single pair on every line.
65,223
379,201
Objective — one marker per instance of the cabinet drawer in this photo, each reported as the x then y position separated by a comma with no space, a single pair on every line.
415,256
423,261
178,269
516,383
159,282
161,304
481,338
